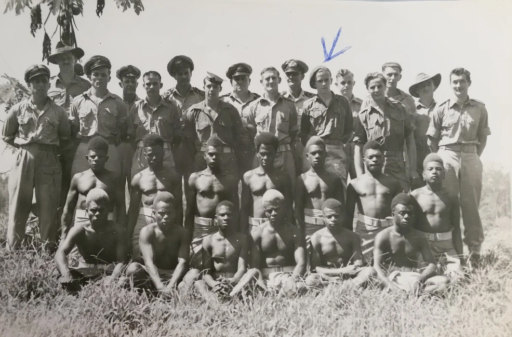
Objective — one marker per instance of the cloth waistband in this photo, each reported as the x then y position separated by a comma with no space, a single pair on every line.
284,147
313,216
147,211
437,236
256,221
374,223
167,145
82,213
203,221
267,271
468,148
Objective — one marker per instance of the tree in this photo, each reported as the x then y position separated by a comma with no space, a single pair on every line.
63,12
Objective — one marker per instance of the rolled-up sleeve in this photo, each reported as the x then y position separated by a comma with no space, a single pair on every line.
64,125
483,125
434,127
10,126
360,137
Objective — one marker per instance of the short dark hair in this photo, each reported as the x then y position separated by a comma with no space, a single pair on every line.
225,203
344,72
152,139
152,72
266,138
270,69
165,197
395,65
372,145
460,72
98,144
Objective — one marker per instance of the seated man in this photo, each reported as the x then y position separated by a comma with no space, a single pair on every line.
225,255
145,185
399,249
164,247
97,176
100,242
439,218
257,181
371,192
278,250
336,251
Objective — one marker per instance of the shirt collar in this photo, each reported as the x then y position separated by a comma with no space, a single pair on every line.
193,90
146,103
453,101
252,97
420,105
33,107
288,94
88,94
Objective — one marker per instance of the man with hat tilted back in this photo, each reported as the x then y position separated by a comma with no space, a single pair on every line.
98,112
423,89
36,127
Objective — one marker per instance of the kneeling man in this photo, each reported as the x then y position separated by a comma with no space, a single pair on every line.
399,248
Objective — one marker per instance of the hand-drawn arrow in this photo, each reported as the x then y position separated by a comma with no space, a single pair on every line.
329,56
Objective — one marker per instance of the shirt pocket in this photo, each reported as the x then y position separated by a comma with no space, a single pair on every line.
87,120
109,119
261,121
26,126
376,127
48,128
283,122
449,122
203,129
163,126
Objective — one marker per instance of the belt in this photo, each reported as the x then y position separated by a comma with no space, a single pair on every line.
256,221
167,145
284,147
374,223
223,149
468,148
437,236
203,221
82,213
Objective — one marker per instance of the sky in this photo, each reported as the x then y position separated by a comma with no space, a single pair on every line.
423,36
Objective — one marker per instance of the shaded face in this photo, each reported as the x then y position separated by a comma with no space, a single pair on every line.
270,81
376,88
66,60
224,217
152,84
212,90
316,156
164,214
294,78
433,172
39,86
129,84
392,75
266,154
460,85
403,216
154,156
425,89
211,156
100,78
240,83
373,160
183,76
323,80
346,85
96,159
332,217
97,212
274,213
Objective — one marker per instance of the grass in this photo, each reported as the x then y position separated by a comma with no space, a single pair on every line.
33,304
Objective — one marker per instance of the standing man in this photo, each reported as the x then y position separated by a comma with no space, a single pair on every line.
328,116
36,127
239,76
386,122
184,95
423,89
128,76
295,71
154,115
275,114
215,117
98,112
63,88
393,73
458,132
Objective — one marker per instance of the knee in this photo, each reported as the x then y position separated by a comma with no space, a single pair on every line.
133,269
192,275
313,280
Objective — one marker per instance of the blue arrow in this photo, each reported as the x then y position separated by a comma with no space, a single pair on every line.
329,56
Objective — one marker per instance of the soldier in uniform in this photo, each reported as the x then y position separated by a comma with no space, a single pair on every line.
386,122
128,76
295,71
36,127
239,76
98,112
458,132
392,71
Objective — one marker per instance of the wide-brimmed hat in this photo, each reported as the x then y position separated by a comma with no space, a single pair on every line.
62,48
421,78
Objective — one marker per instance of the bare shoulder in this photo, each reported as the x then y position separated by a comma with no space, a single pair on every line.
148,231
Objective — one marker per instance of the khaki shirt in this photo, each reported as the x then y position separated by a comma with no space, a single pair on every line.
390,126
278,118
63,95
452,123
239,105
406,100
333,122
355,105
163,120
299,102
192,97
422,121
25,124
107,117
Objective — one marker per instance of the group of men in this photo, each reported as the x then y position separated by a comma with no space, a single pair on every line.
281,191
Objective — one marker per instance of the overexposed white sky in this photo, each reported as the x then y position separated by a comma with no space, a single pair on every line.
422,36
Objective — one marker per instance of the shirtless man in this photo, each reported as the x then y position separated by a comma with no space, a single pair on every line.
164,247
399,248
206,189
439,217
278,250
257,181
314,187
146,184
225,255
372,192
101,243
336,253
97,176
